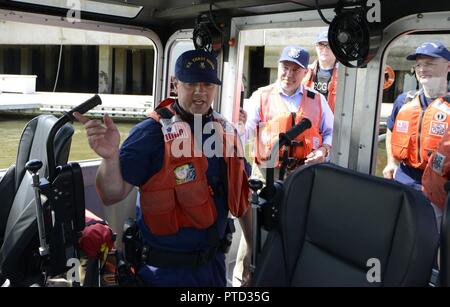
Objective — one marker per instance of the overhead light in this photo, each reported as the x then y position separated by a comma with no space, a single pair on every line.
107,8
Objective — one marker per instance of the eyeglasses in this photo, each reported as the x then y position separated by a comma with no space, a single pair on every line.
425,65
323,45
193,86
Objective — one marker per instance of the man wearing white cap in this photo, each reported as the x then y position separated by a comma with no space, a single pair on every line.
288,101
275,108
322,74
419,120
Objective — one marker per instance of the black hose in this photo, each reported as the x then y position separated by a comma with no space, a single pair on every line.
320,13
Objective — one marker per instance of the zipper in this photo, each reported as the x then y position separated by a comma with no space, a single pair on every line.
422,112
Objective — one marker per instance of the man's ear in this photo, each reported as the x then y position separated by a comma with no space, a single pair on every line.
175,85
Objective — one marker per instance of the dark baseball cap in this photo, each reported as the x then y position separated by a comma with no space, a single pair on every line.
296,55
431,49
197,66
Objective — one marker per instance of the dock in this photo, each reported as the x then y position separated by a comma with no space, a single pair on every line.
117,106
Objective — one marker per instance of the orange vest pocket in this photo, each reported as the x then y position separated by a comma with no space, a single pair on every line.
158,209
400,145
197,207
430,144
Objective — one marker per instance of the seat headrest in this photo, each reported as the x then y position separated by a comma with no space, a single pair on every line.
33,142
21,228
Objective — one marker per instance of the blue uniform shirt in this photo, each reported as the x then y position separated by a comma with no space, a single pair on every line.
405,174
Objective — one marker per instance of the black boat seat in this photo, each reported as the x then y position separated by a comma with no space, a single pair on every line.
337,225
18,226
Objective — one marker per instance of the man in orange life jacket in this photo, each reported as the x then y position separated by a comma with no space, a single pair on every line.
273,108
322,73
189,178
419,120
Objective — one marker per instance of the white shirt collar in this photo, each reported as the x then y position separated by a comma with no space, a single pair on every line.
280,89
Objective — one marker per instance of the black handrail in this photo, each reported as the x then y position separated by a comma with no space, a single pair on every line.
67,117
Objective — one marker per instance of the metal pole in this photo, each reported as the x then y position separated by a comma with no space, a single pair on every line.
43,248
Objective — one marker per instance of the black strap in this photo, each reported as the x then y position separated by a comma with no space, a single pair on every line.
164,113
310,94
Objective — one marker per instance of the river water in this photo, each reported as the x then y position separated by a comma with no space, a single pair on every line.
11,130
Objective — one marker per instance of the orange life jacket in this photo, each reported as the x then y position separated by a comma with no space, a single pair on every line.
308,81
417,132
179,195
437,173
276,118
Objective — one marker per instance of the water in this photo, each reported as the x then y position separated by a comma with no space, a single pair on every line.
11,130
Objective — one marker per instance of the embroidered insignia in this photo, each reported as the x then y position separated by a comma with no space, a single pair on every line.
176,130
294,53
438,128
184,173
402,126
440,116
202,65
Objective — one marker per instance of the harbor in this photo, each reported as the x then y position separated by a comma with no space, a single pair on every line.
16,109
122,107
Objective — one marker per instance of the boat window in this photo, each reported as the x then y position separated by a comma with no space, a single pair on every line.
178,47
262,49
404,80
49,69
114,9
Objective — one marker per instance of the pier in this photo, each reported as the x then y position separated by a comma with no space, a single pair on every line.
117,106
